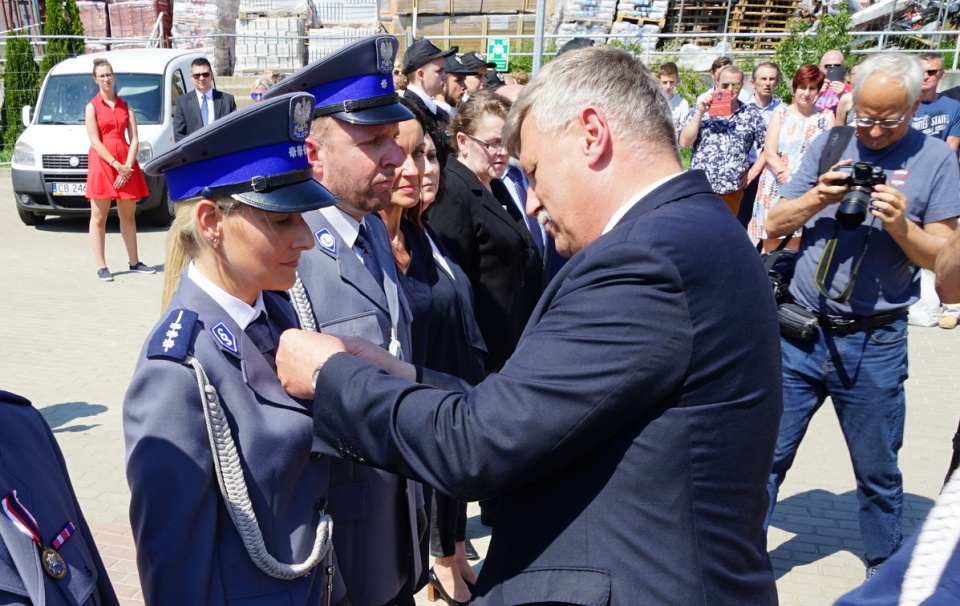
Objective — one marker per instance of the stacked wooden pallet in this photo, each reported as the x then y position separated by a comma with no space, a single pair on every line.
768,16
454,18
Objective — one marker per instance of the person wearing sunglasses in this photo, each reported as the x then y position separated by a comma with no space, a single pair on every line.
193,112
260,86
722,141
834,68
857,273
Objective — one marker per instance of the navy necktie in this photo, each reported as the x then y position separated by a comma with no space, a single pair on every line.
513,173
369,255
262,336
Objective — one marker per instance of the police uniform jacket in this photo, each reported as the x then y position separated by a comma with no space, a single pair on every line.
31,463
629,437
375,543
188,550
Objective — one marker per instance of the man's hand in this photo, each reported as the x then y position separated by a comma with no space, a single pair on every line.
888,205
837,86
299,354
828,189
374,354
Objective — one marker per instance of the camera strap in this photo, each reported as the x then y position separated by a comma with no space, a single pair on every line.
837,140
826,259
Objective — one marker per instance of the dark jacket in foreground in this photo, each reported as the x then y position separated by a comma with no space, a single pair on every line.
631,435
31,463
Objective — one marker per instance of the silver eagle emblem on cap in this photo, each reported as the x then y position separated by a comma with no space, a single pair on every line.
301,112
386,52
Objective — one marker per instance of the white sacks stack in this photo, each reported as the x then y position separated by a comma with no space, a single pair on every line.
643,9
642,35
337,23
270,44
589,9
196,25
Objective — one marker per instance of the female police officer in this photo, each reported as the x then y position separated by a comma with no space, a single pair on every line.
227,503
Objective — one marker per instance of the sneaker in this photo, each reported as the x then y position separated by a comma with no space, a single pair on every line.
140,268
948,322
872,571
104,274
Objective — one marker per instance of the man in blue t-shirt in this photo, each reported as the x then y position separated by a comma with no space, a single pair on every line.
860,291
939,117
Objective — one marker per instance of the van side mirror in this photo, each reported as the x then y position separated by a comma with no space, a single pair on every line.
26,115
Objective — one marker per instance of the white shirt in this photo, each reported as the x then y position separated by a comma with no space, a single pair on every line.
427,99
515,196
681,108
241,313
634,200
209,96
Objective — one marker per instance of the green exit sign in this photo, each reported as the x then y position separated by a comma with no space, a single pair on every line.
498,51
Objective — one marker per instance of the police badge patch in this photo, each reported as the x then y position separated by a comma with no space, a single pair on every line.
386,53
301,112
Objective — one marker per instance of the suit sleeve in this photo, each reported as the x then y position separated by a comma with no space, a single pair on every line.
179,122
614,344
173,495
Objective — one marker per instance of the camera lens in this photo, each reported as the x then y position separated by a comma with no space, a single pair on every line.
853,207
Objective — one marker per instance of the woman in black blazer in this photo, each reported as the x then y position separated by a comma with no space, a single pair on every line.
444,333
484,229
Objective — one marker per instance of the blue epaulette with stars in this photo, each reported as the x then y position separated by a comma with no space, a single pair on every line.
173,337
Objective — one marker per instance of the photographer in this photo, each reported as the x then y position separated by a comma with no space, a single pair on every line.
867,228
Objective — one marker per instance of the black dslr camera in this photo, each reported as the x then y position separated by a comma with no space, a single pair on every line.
861,177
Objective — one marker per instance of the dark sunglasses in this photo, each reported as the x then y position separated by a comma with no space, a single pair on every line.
933,72
199,75
833,65
256,96
397,72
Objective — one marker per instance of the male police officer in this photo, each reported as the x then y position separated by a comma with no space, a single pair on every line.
857,272
349,287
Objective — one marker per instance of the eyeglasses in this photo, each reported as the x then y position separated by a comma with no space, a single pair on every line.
256,96
199,75
487,145
727,85
397,72
933,72
890,123
833,65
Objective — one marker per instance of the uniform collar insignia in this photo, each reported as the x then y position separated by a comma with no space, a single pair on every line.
172,337
223,336
326,241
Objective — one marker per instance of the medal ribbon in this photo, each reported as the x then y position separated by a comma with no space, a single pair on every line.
21,518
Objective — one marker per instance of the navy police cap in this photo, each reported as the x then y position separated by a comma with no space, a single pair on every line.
256,155
454,66
353,84
420,53
473,60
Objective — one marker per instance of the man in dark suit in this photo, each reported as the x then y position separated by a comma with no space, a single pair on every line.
631,434
201,107
426,69
347,285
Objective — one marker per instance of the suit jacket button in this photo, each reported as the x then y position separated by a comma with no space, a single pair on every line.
87,570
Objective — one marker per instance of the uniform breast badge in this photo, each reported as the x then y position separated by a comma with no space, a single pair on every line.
51,561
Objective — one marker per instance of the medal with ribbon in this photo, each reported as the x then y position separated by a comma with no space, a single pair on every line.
50,559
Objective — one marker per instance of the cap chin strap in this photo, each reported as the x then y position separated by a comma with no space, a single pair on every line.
355,106
259,184
233,487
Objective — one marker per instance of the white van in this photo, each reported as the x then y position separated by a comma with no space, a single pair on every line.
49,165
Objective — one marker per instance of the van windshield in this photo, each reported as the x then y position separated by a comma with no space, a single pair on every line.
67,95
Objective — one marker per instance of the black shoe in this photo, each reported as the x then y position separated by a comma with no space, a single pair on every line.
435,582
472,554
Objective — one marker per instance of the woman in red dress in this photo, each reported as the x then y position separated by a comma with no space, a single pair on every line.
113,172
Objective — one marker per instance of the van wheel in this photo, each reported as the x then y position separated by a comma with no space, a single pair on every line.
30,218
162,215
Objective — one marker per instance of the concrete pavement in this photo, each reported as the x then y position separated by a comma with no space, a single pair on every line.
70,344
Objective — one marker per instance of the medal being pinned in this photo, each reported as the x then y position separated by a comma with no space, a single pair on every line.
51,561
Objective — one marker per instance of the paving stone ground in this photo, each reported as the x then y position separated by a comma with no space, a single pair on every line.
70,343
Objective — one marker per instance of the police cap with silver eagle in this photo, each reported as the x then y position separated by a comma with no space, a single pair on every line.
256,155
353,84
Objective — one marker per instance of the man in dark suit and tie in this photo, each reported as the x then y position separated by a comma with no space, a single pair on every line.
631,434
426,70
195,110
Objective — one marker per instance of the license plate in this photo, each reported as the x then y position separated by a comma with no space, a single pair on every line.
69,189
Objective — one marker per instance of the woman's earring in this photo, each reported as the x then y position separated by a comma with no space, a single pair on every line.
214,242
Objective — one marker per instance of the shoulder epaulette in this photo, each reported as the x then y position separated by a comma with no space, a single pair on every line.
173,337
